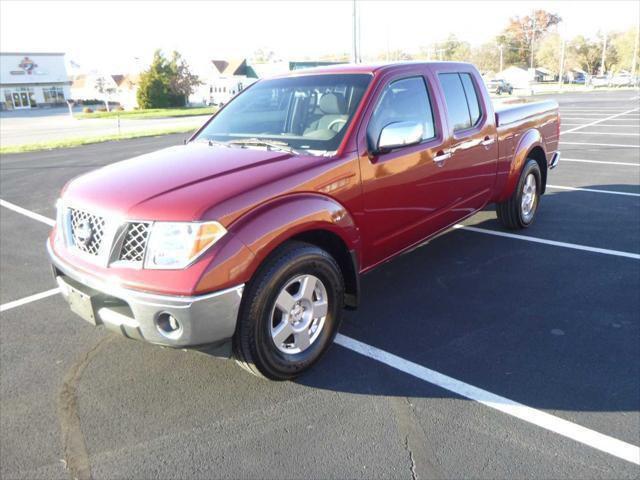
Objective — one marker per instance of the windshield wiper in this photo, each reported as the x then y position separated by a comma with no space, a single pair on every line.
271,144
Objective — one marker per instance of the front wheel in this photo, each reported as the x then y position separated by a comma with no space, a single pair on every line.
291,312
520,209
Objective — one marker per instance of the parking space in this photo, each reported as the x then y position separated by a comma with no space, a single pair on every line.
478,355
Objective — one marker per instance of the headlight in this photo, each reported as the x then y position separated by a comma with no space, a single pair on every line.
174,245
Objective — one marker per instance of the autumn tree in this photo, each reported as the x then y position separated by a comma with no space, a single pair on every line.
522,33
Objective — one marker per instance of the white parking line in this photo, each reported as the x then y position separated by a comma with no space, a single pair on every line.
604,162
571,117
624,134
573,246
617,145
27,213
29,299
602,120
586,436
593,190
564,124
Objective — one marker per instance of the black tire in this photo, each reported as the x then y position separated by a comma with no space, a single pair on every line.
510,213
254,348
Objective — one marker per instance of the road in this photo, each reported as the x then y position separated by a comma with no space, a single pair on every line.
536,332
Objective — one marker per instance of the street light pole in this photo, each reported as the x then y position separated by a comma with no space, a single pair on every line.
604,55
635,53
533,35
355,41
501,47
560,82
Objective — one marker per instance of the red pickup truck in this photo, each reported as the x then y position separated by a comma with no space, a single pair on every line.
253,235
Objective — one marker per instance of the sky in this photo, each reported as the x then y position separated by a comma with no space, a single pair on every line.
120,36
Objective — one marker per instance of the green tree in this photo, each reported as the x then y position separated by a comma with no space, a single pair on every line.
587,53
166,83
624,45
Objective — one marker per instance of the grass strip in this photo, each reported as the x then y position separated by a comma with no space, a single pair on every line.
78,141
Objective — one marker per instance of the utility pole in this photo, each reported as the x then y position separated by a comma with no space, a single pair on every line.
533,35
604,55
501,47
355,34
560,82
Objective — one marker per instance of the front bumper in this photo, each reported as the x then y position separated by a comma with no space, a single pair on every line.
201,320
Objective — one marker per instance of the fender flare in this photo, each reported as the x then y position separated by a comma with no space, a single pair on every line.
260,231
530,140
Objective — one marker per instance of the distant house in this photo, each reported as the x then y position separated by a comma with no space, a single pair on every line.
230,77
119,88
541,74
516,76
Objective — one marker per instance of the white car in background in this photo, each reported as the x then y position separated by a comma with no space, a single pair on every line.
622,80
600,81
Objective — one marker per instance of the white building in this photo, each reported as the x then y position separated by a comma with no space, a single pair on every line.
30,80
119,89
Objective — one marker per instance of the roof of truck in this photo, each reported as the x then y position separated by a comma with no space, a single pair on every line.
350,68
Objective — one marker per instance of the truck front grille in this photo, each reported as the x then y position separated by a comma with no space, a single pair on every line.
87,231
135,242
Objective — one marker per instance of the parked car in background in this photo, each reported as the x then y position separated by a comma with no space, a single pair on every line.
622,80
499,86
253,235
600,81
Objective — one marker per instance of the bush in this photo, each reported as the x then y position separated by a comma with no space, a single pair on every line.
119,108
102,109
87,110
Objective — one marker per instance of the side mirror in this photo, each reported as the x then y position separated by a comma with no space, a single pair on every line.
399,134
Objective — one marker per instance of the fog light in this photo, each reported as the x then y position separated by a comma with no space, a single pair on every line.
169,326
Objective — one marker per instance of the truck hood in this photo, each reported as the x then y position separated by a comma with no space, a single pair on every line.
181,183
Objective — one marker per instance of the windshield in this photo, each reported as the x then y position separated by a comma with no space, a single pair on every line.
309,113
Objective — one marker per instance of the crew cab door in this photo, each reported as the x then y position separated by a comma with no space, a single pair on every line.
403,197
472,166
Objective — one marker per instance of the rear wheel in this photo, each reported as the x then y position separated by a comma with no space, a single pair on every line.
520,209
291,312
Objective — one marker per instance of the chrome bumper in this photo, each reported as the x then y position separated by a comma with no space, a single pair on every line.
198,320
555,159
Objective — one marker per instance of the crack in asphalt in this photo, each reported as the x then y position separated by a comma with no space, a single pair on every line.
407,447
76,458
415,440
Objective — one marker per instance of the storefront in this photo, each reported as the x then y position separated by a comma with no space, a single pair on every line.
30,80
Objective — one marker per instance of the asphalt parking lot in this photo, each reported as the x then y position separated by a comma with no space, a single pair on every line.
478,355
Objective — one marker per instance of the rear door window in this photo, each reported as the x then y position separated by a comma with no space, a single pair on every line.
472,98
461,98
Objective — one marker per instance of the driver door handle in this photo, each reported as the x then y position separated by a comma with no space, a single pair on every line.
488,141
441,156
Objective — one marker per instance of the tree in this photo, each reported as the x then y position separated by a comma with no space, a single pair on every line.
166,83
624,45
104,90
587,53
264,55
522,33
451,49
486,57
182,82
